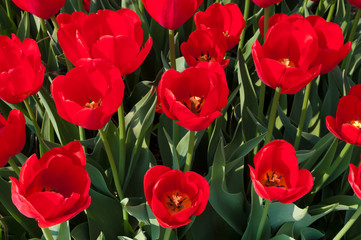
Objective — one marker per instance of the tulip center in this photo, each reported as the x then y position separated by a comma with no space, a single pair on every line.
226,34
48,189
287,62
194,103
274,179
205,57
356,123
92,104
176,201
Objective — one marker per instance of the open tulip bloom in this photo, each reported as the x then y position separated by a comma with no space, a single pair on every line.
55,187
180,119
276,175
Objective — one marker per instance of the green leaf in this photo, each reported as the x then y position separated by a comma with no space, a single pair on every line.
24,27
228,206
81,232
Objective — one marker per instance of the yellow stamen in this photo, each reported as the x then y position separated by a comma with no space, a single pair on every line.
287,62
356,123
92,104
194,103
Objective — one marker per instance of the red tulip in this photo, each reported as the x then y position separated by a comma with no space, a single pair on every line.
21,71
330,39
354,178
116,37
86,5
171,14
54,188
276,175
330,43
356,3
276,18
228,19
12,135
265,3
89,95
205,45
174,196
195,96
285,58
41,8
347,125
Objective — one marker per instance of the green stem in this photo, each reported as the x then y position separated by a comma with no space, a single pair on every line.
172,50
348,224
43,27
245,16
122,149
55,23
332,10
351,37
263,86
273,114
47,234
188,164
33,119
115,177
263,219
303,7
334,166
320,3
14,166
210,131
112,164
167,233
175,133
303,116
8,9
141,6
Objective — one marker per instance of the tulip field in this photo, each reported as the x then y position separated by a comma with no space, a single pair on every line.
180,119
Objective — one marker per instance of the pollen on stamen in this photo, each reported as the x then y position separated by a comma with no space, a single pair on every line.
356,123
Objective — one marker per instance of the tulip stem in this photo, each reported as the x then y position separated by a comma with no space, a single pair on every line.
47,234
167,233
55,23
263,219
303,7
36,126
273,114
14,166
122,149
351,37
303,116
8,9
348,224
263,86
320,3
112,164
188,164
172,50
332,10
245,16
334,166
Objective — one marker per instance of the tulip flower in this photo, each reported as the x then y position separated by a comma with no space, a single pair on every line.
354,179
276,175
21,71
174,196
285,58
331,49
195,96
356,3
347,125
116,37
330,43
54,188
205,45
95,94
12,135
265,3
171,14
227,19
41,8
86,5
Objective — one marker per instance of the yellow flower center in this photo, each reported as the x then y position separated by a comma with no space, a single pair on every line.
356,123
205,57
287,62
92,104
226,34
176,201
273,179
194,103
